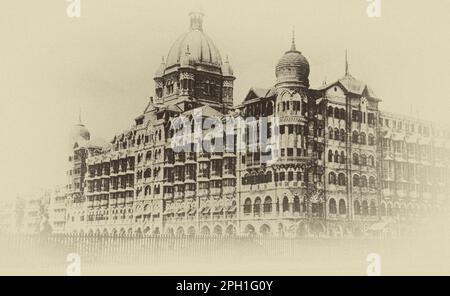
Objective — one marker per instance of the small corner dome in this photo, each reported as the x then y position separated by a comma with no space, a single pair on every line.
227,70
80,132
293,67
160,71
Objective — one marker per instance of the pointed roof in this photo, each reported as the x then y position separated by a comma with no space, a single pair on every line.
207,111
258,93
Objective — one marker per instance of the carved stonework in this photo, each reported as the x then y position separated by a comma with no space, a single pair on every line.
227,83
185,75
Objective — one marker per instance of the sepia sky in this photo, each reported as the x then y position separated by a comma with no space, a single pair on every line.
52,65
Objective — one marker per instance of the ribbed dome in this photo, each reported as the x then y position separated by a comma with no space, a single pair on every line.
160,71
293,67
80,132
202,49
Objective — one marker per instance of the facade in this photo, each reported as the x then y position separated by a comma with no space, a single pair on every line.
336,165
35,217
57,210
11,216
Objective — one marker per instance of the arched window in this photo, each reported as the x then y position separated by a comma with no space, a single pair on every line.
383,210
330,111
147,190
363,181
389,210
373,208
363,159
332,206
147,173
362,139
330,156
355,180
267,204
371,140
365,208
285,204
372,182
296,204
330,133
337,113
341,179
336,156
342,157
148,155
355,159
248,206
332,209
257,206
355,137
343,114
336,134
342,207
332,178
371,161
357,207
343,134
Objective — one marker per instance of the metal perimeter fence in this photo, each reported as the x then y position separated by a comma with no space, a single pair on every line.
52,250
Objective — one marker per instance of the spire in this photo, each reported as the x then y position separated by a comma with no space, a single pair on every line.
196,20
293,39
346,64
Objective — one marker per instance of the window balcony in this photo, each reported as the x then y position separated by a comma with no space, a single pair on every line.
179,195
203,192
168,195
215,191
229,189
189,194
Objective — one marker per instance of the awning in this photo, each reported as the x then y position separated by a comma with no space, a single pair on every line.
180,211
192,211
218,209
231,209
229,176
398,137
387,134
206,210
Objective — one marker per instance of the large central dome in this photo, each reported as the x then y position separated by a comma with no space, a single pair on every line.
201,48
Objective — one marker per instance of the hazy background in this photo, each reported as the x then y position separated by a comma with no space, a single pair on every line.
103,63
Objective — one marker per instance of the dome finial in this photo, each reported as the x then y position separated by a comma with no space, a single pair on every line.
79,116
293,39
196,20
347,73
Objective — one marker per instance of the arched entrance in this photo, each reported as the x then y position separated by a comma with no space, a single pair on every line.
218,230
264,229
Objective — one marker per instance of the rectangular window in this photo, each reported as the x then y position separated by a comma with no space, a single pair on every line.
290,152
290,176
